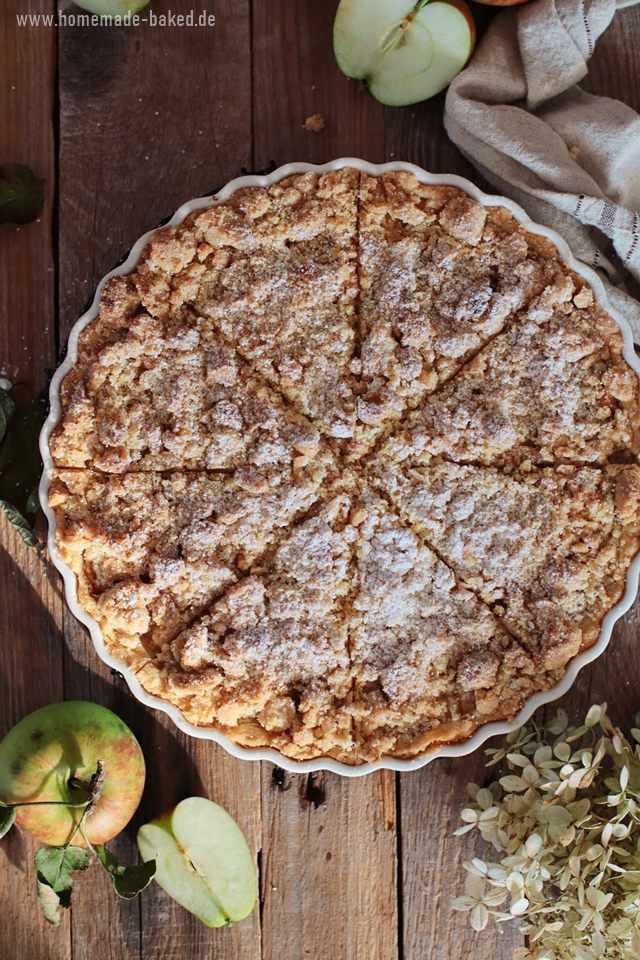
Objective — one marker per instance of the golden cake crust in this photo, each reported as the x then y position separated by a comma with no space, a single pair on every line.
348,466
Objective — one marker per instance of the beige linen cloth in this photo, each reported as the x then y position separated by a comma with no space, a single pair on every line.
570,159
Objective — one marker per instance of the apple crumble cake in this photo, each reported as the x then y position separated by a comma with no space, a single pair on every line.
348,466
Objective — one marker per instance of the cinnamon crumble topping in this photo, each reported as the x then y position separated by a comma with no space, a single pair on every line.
348,466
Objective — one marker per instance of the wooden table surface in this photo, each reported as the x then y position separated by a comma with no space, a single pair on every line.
125,124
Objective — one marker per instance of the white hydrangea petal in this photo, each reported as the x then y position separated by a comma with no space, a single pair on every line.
479,917
519,907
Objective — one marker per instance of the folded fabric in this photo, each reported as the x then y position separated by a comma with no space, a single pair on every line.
570,159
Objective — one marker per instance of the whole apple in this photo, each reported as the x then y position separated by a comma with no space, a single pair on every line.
51,750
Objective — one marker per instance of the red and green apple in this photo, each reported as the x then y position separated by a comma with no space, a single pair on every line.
47,758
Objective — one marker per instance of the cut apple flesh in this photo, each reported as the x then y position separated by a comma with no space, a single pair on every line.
202,860
405,54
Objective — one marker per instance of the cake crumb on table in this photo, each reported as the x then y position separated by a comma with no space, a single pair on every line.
315,123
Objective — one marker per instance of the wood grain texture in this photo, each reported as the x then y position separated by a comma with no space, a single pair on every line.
299,35
30,604
432,873
26,263
30,677
329,880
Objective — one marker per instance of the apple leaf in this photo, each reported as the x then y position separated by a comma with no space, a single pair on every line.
7,409
7,816
127,881
54,866
20,464
21,524
49,902
21,194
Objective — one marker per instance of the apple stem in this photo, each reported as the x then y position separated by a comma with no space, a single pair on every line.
88,842
96,786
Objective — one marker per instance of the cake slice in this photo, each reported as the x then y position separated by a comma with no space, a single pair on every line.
548,549
151,394
440,275
279,281
268,662
431,662
151,551
553,388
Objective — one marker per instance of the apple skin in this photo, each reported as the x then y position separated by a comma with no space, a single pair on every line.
465,10
47,748
112,8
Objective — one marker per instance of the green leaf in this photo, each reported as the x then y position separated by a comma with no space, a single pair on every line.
7,409
49,902
20,465
53,877
22,525
55,864
7,816
127,881
107,859
21,194
132,880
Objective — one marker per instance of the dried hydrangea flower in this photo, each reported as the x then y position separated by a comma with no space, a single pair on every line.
566,817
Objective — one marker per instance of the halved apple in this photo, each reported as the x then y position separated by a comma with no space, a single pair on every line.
404,51
202,860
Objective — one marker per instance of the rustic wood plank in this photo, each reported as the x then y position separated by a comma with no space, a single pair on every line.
31,608
206,771
31,677
26,108
150,117
432,873
329,880
294,77
177,767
